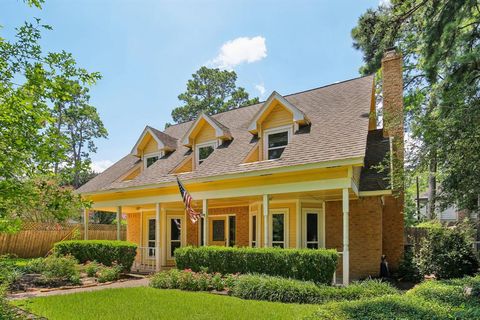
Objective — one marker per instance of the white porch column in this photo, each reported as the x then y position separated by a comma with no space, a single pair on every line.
163,235
266,209
346,255
85,223
158,255
119,222
205,221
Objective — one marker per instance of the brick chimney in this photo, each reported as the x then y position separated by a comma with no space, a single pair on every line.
393,111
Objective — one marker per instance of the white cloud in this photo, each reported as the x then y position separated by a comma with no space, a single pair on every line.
101,165
261,88
240,50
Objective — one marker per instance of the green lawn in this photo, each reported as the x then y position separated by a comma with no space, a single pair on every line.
149,303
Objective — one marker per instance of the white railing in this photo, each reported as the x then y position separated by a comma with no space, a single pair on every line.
145,260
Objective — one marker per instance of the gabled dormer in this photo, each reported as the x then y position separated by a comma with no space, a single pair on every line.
204,136
274,124
152,145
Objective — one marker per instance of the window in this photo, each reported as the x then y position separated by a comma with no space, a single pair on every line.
231,231
276,141
254,231
151,237
204,150
278,230
218,227
175,236
151,159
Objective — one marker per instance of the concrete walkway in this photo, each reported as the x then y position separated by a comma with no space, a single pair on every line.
143,282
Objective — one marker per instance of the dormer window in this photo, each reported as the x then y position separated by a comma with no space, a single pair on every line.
151,159
204,150
275,141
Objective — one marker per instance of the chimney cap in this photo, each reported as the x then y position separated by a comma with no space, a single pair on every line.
392,48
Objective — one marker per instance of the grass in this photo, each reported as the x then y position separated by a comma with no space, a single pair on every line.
150,303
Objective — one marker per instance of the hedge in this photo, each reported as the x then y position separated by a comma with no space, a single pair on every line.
192,281
277,289
103,251
302,264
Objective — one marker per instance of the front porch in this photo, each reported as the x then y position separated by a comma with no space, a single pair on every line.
315,219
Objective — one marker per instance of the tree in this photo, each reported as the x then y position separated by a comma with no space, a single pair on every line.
36,91
210,91
439,41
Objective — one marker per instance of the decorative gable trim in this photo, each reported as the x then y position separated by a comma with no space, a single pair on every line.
298,116
164,141
221,131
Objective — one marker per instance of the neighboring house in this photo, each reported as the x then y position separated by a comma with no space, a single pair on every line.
295,171
444,215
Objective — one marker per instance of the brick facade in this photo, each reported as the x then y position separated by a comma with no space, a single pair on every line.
393,230
241,229
365,229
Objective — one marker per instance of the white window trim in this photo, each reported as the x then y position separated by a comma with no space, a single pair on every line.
320,222
213,144
169,234
150,155
257,231
266,133
286,219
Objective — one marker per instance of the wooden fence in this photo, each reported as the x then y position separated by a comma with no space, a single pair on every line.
36,239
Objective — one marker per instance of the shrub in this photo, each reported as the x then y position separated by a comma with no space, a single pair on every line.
7,312
447,253
35,265
106,274
386,307
408,269
192,281
257,287
302,264
91,268
9,272
103,251
60,270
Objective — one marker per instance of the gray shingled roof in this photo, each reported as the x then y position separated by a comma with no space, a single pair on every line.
375,173
167,140
339,115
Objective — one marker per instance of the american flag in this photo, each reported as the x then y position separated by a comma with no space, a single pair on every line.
187,200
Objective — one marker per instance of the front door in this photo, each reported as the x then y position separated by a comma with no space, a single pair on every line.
313,228
174,235
218,231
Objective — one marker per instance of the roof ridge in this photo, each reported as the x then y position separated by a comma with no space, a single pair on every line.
287,95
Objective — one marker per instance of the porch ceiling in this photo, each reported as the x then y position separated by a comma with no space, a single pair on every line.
324,195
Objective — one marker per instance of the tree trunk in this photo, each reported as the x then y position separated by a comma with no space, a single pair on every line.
432,185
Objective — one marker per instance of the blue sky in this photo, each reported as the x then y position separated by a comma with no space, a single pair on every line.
147,50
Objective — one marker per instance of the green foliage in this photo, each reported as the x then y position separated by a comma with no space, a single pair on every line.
447,253
46,122
43,199
387,307
210,91
302,264
56,270
91,268
259,287
106,274
439,43
103,251
408,269
9,271
192,281
7,312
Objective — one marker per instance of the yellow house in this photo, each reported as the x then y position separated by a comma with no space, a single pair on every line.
296,171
